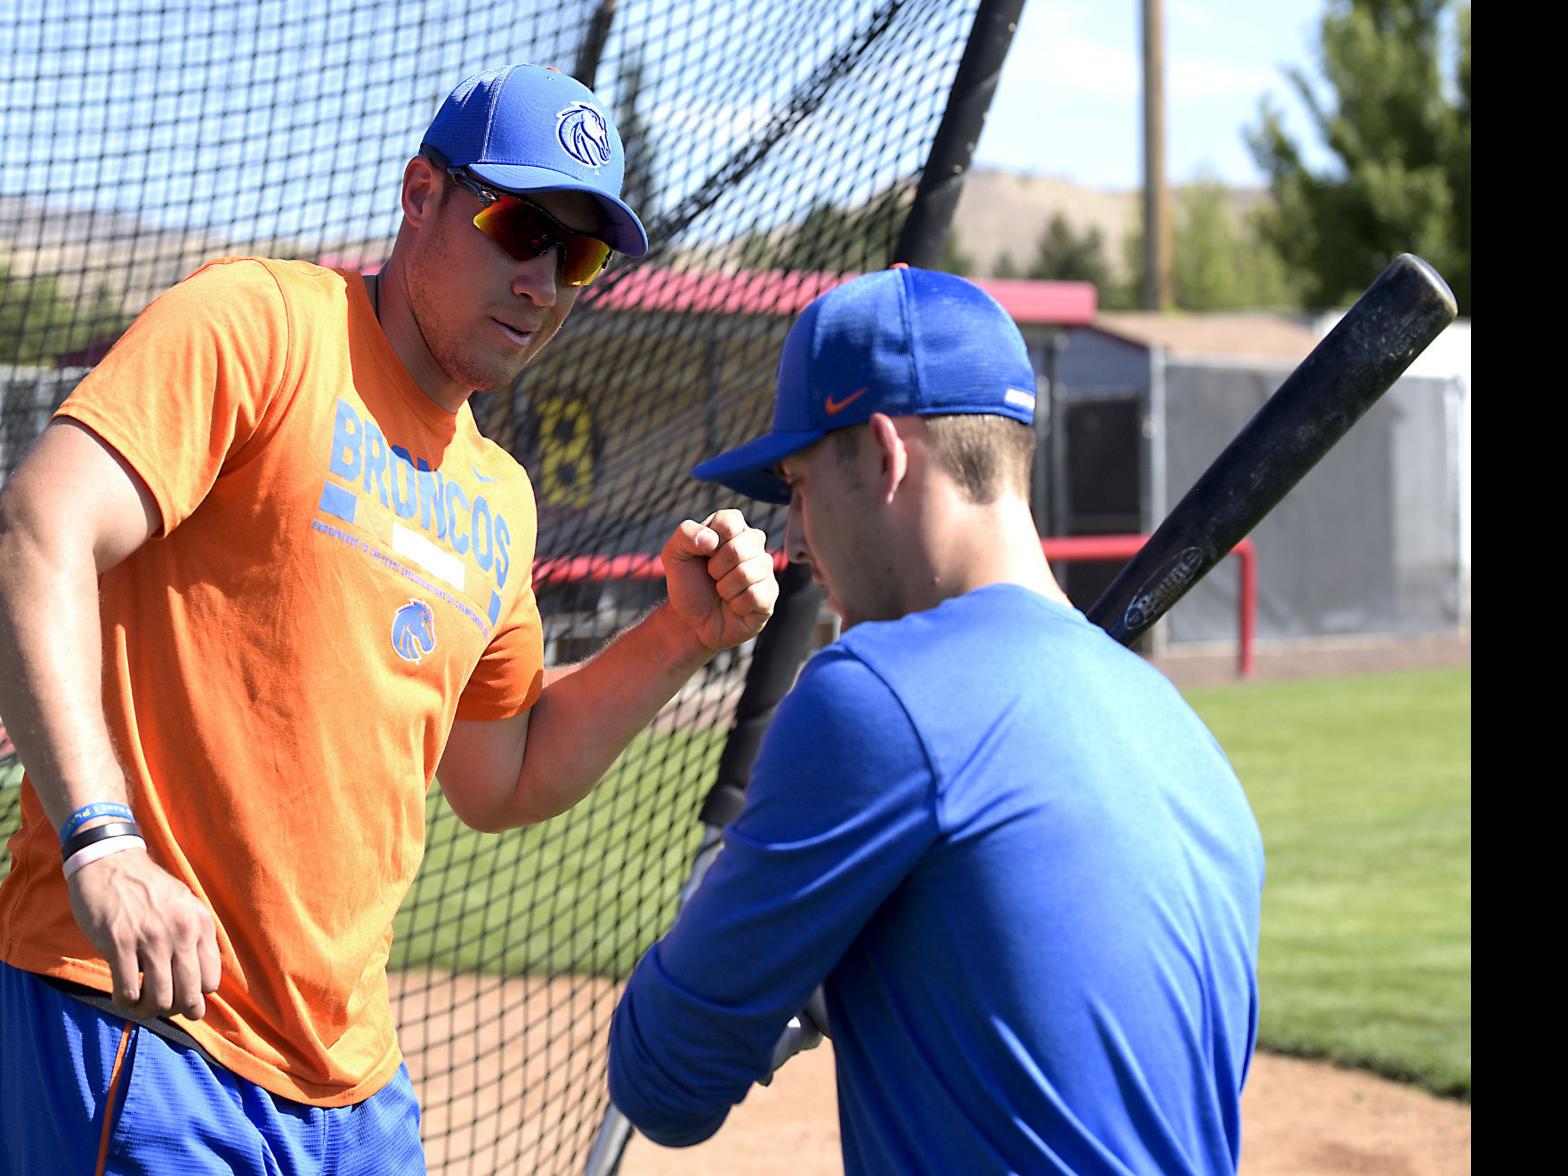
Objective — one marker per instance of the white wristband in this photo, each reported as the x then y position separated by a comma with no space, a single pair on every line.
87,856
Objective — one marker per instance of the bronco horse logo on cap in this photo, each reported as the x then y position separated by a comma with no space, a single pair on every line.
585,135
413,631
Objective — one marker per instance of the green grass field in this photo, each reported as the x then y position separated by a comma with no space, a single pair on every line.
1362,788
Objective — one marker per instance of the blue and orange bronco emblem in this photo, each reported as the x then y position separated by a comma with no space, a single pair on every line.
413,631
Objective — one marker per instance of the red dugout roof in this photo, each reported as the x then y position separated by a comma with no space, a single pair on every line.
786,292
782,292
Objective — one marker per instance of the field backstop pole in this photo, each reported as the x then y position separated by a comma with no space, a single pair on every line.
589,53
953,147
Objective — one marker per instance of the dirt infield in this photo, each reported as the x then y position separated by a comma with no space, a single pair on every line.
1215,665
494,1060
1299,1119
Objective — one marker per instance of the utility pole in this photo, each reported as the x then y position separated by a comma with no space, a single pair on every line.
1156,199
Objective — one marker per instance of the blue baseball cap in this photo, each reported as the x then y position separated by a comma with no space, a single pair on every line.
531,128
905,342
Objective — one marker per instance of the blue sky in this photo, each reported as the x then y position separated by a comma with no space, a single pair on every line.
1069,100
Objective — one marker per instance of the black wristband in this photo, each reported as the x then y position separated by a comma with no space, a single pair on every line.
97,833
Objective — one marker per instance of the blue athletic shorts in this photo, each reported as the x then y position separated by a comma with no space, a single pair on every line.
82,1091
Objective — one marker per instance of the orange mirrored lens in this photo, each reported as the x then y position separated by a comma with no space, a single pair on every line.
526,231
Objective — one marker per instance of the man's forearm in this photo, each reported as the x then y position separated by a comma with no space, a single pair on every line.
72,510
527,768
51,688
588,713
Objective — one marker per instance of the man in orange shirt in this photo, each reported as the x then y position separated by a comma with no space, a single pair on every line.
260,581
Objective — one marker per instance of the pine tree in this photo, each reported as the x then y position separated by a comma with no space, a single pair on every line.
1218,263
955,259
1400,139
1063,254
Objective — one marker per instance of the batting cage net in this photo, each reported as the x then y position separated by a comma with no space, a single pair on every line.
771,148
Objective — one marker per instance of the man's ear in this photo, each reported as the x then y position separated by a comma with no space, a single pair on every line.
892,455
423,185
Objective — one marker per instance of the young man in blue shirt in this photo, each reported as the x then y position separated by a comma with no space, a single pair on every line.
1017,863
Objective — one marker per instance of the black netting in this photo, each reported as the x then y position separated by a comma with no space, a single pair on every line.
769,146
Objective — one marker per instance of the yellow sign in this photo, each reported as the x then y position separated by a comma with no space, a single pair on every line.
565,447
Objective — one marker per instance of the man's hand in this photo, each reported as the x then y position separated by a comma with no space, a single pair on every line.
143,920
720,579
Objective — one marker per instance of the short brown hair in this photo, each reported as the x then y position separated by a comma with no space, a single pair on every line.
985,454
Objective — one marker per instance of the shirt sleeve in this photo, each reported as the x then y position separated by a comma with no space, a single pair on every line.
840,808
510,673
186,388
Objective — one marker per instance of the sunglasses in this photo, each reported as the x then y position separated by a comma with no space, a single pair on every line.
527,231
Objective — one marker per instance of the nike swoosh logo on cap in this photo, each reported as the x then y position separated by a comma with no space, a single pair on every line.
835,407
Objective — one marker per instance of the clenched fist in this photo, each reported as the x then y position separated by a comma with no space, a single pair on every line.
720,579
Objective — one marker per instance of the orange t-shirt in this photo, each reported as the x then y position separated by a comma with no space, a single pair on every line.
342,569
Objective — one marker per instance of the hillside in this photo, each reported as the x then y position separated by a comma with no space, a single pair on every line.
1007,211
997,212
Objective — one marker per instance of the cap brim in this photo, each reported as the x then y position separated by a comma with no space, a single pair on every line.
748,469
622,229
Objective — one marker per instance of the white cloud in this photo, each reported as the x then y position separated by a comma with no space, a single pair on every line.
1069,53
1109,71
1211,78
1193,12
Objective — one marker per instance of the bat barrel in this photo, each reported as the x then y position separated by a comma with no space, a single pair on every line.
1393,321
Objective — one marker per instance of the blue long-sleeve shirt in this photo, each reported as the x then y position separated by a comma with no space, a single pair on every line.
1028,881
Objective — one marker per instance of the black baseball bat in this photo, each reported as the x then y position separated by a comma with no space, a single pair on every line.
1392,322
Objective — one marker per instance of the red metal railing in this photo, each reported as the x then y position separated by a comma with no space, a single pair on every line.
1064,549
